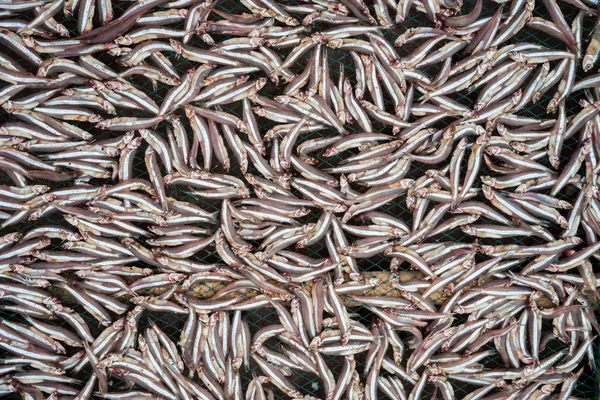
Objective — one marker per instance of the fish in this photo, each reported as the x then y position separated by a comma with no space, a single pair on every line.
174,168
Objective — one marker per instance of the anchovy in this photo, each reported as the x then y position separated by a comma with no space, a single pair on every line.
270,178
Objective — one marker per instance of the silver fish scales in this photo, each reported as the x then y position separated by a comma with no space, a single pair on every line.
177,161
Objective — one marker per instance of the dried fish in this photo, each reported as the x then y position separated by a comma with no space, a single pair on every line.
189,167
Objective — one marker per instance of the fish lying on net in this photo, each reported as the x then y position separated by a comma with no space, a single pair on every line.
191,158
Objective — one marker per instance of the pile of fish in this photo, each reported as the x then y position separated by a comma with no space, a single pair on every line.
266,179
